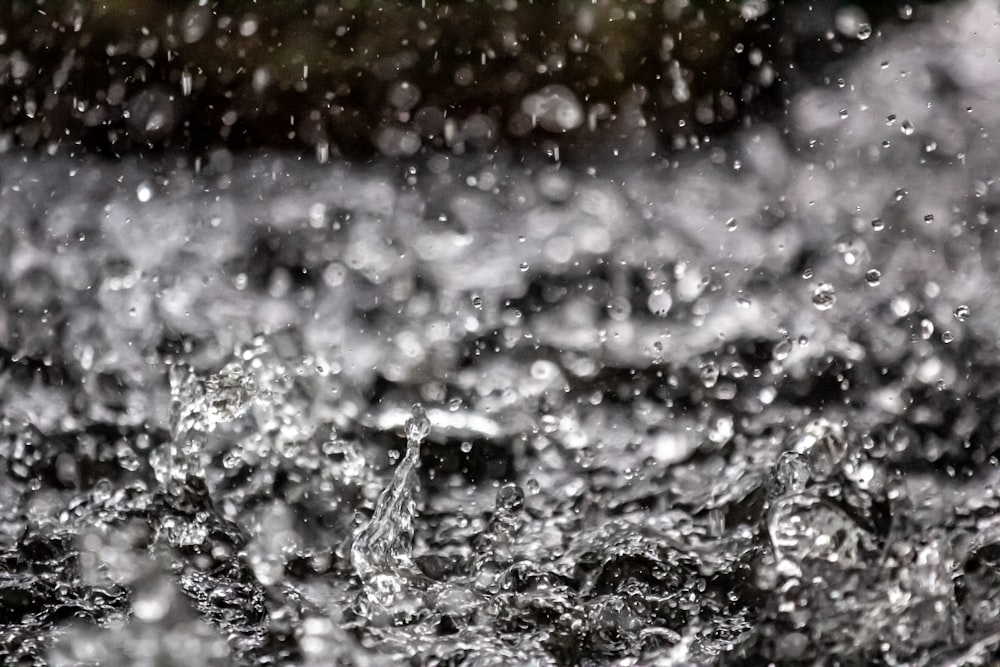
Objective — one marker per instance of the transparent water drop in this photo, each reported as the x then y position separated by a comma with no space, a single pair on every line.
731,224
947,337
824,445
962,313
877,224
873,277
659,302
926,329
418,426
929,218
824,296
791,473
524,267
906,128
477,302
709,373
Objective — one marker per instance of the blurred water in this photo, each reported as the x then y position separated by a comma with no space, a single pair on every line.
727,407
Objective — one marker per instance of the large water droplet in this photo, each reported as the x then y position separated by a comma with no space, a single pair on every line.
824,296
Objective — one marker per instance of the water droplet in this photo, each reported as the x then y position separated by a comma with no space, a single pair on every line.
906,128
900,194
877,224
731,224
962,313
144,192
824,444
791,473
929,218
418,426
524,267
873,277
947,337
926,329
477,302
824,296
659,302
709,373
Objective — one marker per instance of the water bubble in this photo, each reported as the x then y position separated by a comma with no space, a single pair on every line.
900,194
962,313
907,128
824,297
947,337
510,499
477,302
877,224
731,224
873,277
929,218
524,267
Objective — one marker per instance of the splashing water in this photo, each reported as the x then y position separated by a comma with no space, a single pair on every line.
382,550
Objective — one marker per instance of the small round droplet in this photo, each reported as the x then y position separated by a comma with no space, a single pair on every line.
906,128
873,277
947,336
929,218
962,313
824,296
843,113
524,267
877,224
900,194
807,274
477,302
731,224
926,329
864,31
418,426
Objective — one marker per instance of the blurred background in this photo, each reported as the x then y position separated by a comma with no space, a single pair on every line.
360,78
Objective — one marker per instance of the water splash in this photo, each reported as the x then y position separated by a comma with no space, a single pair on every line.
382,550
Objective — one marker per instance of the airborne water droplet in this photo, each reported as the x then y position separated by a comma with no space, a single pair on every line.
824,296
873,277
962,313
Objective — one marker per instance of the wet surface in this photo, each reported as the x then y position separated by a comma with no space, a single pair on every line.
731,406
